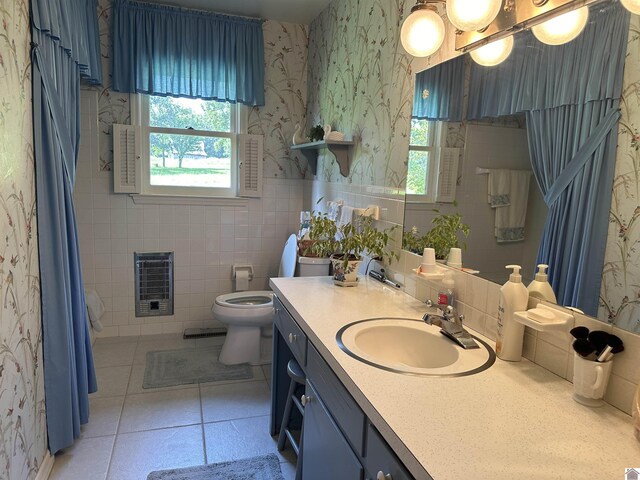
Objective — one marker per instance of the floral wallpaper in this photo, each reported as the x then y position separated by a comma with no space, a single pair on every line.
285,96
360,82
285,52
620,292
22,412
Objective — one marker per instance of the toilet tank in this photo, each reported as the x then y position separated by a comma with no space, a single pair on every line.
313,266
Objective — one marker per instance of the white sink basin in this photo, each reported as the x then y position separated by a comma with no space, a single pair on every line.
411,346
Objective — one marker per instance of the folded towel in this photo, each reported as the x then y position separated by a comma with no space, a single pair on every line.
499,188
95,307
333,209
510,219
346,215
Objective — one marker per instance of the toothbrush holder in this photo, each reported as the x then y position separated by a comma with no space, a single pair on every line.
590,379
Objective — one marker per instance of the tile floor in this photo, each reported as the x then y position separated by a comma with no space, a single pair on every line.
133,431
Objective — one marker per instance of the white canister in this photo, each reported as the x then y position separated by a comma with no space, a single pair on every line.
590,380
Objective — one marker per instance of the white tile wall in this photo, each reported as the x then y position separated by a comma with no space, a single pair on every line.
207,241
477,299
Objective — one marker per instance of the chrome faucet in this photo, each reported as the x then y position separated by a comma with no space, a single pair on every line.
450,324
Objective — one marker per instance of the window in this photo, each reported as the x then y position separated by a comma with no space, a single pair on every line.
424,155
189,146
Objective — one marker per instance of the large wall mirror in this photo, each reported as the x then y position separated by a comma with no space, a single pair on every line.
450,159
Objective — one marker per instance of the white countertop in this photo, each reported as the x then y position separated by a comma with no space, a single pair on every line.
515,420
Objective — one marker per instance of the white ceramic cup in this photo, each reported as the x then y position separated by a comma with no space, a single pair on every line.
455,258
590,380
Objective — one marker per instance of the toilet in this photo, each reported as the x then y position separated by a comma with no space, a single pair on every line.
249,316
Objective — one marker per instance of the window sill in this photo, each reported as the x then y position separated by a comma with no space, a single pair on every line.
186,200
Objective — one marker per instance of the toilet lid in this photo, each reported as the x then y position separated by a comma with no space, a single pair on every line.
288,260
246,299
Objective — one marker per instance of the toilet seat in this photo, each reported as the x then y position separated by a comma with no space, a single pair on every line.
250,299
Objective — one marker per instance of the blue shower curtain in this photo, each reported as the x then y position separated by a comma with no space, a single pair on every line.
570,94
65,47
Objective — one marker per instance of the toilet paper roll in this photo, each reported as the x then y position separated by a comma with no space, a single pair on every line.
242,280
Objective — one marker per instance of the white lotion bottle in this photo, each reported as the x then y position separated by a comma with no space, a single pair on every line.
514,297
540,287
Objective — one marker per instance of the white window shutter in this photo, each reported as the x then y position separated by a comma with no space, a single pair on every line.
251,159
126,159
448,175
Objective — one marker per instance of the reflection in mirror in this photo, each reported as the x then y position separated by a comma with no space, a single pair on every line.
568,101
501,145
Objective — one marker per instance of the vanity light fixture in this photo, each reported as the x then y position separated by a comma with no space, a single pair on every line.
493,53
632,5
553,22
422,32
470,15
563,28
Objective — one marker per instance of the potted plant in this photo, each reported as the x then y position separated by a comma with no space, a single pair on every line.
442,237
349,242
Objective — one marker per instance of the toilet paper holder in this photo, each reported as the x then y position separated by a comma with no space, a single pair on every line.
236,268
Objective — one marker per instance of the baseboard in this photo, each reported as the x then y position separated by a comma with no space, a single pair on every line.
46,466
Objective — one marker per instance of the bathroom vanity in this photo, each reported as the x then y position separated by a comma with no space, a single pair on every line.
513,420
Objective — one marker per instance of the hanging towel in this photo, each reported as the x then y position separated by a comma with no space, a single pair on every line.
333,209
346,215
95,307
510,219
499,188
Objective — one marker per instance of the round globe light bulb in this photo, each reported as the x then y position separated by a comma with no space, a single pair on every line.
471,15
563,28
493,53
422,32
632,5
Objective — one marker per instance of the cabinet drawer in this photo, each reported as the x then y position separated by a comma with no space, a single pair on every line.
290,331
338,401
380,458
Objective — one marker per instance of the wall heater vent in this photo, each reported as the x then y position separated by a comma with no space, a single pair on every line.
154,283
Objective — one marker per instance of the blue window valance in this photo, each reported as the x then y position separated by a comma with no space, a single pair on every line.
538,76
169,51
439,92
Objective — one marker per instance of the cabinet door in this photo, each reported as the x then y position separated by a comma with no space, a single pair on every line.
326,454
381,462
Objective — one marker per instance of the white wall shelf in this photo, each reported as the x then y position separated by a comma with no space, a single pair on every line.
341,149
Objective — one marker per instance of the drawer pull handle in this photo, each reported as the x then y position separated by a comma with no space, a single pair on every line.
292,338
382,476
304,399
277,310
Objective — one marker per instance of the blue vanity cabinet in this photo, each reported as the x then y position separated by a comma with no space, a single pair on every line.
289,342
326,453
339,442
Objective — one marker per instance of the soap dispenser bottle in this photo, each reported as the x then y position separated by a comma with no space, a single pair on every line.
514,297
540,287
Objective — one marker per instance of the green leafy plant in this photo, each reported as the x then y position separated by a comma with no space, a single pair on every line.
316,133
351,240
322,236
442,237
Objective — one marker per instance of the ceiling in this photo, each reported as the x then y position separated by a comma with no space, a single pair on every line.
294,11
